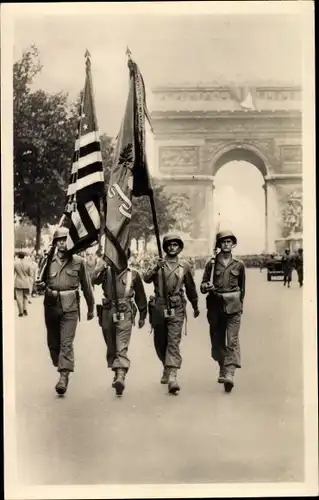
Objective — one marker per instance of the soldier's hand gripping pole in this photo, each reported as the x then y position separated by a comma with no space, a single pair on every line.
159,249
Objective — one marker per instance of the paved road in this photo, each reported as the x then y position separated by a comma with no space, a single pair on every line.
254,434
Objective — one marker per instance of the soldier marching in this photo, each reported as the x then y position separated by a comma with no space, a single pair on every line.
117,316
65,274
224,282
167,308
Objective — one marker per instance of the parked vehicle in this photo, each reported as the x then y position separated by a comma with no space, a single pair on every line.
274,267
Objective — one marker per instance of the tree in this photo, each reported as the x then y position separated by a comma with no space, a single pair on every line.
24,235
142,226
44,135
107,152
180,207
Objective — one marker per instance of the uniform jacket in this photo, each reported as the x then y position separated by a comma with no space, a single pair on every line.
70,275
288,262
132,289
178,275
22,274
231,278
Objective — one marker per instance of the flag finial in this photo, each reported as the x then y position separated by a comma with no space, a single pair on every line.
87,56
128,53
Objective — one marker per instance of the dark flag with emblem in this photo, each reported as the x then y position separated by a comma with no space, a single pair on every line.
86,186
129,175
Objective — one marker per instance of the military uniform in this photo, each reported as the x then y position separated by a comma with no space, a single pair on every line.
287,263
62,308
168,328
224,309
299,266
117,331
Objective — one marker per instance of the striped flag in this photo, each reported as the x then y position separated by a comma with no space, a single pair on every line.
86,185
129,175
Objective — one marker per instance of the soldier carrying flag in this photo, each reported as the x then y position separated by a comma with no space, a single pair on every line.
121,285
63,273
168,322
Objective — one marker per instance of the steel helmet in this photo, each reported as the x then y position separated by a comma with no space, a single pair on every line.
225,234
61,232
172,237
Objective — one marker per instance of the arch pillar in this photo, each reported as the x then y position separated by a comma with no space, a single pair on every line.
272,214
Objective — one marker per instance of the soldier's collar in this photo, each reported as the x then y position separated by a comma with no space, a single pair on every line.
177,262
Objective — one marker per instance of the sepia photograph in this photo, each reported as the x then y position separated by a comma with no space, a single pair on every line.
159,257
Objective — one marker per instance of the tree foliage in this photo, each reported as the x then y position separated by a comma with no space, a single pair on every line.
24,235
44,135
107,152
142,225
180,207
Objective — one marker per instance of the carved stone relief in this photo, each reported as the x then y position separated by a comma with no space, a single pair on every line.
171,157
223,93
291,154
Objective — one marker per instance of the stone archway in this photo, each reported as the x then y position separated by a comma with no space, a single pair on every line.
198,128
237,151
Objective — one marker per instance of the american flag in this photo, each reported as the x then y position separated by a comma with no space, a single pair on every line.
86,186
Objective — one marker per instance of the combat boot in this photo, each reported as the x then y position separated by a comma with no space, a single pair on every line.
173,386
228,382
165,376
119,384
62,384
222,374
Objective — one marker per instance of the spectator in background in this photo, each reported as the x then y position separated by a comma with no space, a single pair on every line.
22,277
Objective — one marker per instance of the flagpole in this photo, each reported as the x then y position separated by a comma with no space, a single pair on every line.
153,208
159,247
87,56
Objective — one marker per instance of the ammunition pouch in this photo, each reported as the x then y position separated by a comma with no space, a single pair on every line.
228,301
123,307
232,302
158,310
51,297
68,300
176,300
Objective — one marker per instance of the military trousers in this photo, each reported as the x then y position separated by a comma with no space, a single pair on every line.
300,275
287,274
168,335
224,336
61,327
117,338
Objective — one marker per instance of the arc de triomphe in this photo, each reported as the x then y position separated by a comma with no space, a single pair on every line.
200,129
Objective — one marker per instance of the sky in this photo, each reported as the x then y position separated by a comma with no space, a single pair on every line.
171,49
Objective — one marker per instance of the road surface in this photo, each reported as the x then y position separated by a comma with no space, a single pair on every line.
203,435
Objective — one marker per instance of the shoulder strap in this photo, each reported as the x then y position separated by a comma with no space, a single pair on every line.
180,279
128,283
